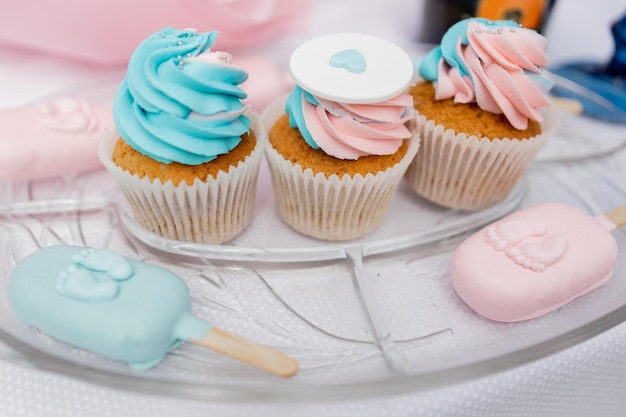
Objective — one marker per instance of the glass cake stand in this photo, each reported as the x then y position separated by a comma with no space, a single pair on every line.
370,317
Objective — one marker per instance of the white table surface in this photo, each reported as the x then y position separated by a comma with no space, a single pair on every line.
584,380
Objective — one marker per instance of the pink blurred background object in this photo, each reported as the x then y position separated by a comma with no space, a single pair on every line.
265,82
105,32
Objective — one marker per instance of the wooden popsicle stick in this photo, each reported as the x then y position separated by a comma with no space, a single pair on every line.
617,216
249,352
568,105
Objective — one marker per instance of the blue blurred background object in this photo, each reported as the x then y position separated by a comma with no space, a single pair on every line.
600,87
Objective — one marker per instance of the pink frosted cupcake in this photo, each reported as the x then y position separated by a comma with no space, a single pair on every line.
483,113
339,145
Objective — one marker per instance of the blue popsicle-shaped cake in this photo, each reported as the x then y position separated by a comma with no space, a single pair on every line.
121,308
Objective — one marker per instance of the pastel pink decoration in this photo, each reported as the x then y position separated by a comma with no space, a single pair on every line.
499,62
538,256
106,32
265,82
504,235
533,261
51,139
350,131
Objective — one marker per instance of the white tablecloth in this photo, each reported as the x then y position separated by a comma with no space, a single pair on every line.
588,379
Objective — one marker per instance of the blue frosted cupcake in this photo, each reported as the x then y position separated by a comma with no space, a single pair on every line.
184,149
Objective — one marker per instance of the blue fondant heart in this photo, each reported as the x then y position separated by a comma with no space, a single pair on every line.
350,59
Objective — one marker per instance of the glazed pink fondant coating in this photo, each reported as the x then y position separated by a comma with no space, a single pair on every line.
533,261
51,139
350,131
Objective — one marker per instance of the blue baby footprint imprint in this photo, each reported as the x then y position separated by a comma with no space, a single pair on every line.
116,266
79,284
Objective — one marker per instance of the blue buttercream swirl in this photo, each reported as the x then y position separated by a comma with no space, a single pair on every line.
175,105
293,108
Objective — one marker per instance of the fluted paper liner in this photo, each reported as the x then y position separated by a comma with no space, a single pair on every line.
331,208
468,173
211,211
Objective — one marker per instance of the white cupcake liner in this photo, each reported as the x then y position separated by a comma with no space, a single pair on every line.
212,211
331,208
468,173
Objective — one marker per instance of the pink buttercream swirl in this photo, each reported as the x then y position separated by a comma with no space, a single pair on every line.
351,131
501,62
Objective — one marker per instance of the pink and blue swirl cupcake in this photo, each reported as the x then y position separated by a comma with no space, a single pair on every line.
184,149
483,113
339,145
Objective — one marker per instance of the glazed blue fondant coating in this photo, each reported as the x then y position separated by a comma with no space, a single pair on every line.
174,106
148,314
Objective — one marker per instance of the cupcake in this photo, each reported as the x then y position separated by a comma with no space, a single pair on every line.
483,113
340,143
183,148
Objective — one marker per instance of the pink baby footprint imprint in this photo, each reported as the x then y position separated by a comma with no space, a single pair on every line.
539,256
510,233
79,284
70,115
116,266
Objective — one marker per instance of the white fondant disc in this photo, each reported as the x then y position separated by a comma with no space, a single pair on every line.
388,69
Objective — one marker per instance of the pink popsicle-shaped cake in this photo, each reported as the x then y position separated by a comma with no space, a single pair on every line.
535,260
54,138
